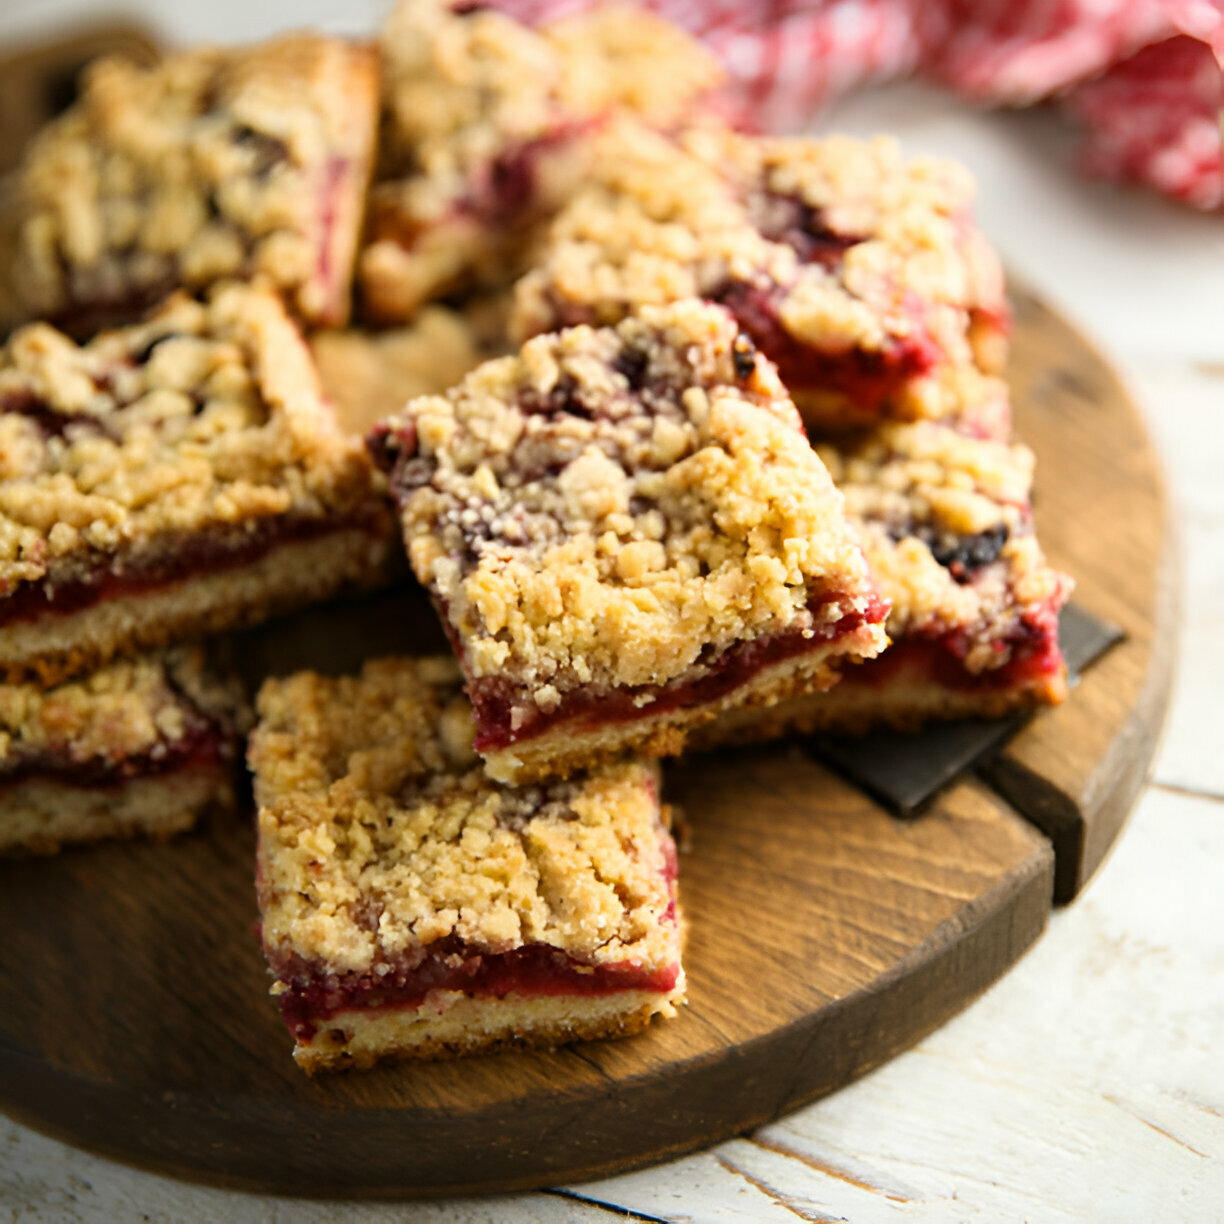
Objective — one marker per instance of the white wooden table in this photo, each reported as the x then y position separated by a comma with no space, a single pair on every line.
1089,1083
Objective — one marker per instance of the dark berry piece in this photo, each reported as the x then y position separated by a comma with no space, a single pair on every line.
743,353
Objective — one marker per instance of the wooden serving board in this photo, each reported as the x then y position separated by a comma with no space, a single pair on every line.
824,936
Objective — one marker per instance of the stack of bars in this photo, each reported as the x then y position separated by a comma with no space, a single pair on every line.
695,438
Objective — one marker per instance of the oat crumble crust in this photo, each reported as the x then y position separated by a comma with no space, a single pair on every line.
215,163
380,835
609,507
483,125
131,710
204,418
894,256
907,485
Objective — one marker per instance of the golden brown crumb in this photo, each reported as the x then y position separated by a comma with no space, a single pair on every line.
836,246
923,491
206,417
380,834
610,507
214,163
484,132
129,710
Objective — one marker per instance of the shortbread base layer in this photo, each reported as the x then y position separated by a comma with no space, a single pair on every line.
40,814
51,648
583,741
908,701
450,1024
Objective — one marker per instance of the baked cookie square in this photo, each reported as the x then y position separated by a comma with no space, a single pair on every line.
859,273
215,163
413,908
173,478
141,746
485,132
625,532
947,526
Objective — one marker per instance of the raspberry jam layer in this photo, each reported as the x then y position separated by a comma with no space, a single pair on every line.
1034,658
85,317
51,422
583,709
179,556
502,194
866,377
534,971
203,746
801,226
337,184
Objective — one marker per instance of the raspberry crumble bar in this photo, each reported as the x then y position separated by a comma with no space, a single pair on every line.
143,745
412,908
858,273
625,532
484,133
215,163
947,527
172,478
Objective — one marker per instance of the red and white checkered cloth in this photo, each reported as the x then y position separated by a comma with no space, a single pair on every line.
1155,119
1142,77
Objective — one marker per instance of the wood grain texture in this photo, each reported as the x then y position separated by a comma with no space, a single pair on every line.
824,937
1103,517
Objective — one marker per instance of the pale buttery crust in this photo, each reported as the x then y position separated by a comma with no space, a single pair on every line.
142,745
484,132
914,491
41,815
907,701
451,1025
581,746
380,835
291,576
205,421
612,511
837,248
215,163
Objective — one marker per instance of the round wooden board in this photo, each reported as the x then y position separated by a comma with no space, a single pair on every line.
824,936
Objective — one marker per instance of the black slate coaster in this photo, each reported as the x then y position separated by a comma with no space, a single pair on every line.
905,772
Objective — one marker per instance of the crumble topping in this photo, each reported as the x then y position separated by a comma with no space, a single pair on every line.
834,246
133,710
203,418
947,528
484,120
380,834
460,85
214,163
620,506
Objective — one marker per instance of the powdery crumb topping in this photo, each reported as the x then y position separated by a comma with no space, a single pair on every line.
459,88
132,710
483,126
611,507
215,163
380,835
620,56
913,489
204,417
841,244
